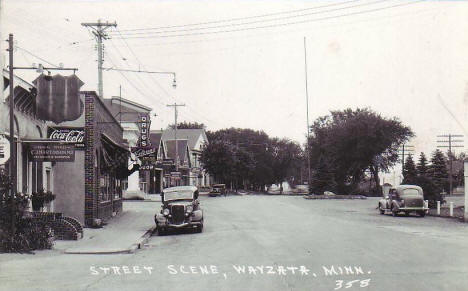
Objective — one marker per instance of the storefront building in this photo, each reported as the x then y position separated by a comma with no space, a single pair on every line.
130,115
31,176
92,185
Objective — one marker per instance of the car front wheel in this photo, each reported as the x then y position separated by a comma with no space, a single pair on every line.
394,212
161,231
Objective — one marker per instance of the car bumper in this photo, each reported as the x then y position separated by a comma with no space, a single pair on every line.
182,225
413,208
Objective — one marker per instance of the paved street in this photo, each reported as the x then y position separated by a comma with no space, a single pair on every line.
282,243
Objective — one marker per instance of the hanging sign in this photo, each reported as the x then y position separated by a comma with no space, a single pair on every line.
52,152
143,151
145,123
4,149
58,98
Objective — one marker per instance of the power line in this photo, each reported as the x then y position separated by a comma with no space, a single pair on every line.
238,18
450,145
279,24
259,21
37,57
154,79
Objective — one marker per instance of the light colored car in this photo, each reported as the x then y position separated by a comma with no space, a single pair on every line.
180,209
404,199
300,189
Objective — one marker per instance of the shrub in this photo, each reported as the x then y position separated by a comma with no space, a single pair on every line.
431,190
27,234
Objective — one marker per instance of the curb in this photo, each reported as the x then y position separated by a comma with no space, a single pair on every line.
141,241
130,250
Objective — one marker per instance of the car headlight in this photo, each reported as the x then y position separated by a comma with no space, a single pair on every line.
189,208
166,212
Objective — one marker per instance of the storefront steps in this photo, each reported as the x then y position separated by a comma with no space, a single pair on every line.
64,227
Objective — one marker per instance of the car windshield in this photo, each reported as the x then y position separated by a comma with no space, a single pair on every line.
411,192
178,195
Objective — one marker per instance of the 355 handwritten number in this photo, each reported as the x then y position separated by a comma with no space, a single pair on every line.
362,283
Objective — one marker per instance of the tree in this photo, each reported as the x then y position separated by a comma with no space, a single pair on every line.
438,170
422,165
286,161
353,141
409,171
188,125
258,160
218,159
322,178
430,189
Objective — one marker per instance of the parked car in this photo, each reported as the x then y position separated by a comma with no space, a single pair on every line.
218,189
301,189
404,198
180,209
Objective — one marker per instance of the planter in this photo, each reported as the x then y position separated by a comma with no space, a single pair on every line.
37,204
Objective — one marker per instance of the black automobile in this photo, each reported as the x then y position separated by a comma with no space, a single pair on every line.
180,209
217,189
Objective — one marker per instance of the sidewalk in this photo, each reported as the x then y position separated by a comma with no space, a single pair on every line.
123,233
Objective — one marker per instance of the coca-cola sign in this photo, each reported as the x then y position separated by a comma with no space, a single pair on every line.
73,135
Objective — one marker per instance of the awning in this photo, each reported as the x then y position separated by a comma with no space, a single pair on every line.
114,157
111,142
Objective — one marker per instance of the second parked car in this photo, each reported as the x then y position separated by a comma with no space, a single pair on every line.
404,199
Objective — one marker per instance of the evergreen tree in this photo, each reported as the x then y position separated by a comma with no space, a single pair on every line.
322,178
422,165
409,171
438,170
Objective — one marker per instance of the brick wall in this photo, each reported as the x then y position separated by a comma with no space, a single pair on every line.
98,120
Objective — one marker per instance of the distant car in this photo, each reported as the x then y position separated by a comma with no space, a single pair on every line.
301,189
218,189
405,199
180,209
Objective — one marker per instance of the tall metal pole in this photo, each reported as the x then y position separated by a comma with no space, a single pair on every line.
307,107
12,133
175,138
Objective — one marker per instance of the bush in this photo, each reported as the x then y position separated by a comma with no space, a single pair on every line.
31,234
430,189
27,234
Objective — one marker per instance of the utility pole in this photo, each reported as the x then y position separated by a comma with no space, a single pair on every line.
175,105
99,29
307,110
449,153
12,135
405,149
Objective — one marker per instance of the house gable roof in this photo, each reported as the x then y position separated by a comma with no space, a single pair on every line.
193,136
182,148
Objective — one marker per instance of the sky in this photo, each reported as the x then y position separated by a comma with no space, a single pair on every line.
241,63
